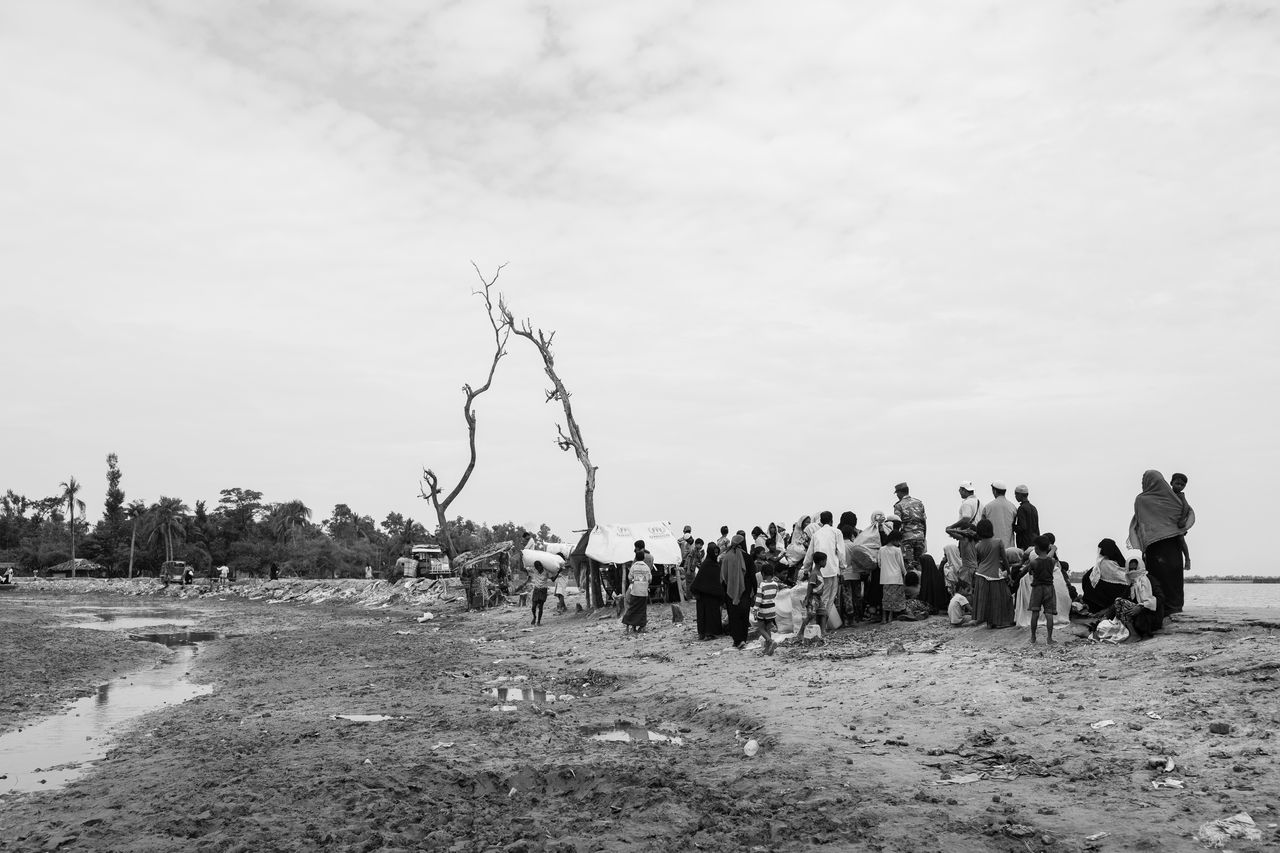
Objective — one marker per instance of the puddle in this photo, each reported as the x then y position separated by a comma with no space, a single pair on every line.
48,755
521,694
126,618
635,735
179,638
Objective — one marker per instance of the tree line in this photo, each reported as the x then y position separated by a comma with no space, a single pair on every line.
242,530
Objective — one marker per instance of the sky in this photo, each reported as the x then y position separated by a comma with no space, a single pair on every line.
792,253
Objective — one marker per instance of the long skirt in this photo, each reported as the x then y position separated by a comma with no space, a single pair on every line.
992,602
851,599
637,613
709,617
933,586
893,598
1164,564
739,619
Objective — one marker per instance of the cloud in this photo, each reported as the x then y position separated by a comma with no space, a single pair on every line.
792,253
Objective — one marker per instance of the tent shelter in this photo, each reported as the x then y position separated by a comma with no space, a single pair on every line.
615,543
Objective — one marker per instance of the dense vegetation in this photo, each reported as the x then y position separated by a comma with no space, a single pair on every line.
242,531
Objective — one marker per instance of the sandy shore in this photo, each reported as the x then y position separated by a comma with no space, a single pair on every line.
854,738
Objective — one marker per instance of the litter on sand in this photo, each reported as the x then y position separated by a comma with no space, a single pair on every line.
1097,836
1176,784
1219,832
504,708
1102,724
362,718
441,745
426,617
751,748
1153,715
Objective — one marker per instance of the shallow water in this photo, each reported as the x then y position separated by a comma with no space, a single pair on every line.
126,618
59,749
635,735
521,694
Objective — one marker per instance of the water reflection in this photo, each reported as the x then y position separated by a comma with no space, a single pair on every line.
59,749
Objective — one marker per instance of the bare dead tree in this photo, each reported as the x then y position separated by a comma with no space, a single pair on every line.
430,489
565,440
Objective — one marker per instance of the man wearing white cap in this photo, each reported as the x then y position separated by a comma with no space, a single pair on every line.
1001,512
969,505
1026,525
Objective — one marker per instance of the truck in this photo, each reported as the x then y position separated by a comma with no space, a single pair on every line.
425,561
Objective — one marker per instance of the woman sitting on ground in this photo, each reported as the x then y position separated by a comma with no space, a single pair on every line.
1106,581
992,599
1143,613
933,586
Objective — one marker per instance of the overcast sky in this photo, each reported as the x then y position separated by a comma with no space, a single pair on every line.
794,253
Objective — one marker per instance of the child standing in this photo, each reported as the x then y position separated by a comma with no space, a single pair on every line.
538,577
893,595
814,612
766,611
958,609
1043,597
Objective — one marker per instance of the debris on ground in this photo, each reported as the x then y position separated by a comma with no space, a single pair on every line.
1217,833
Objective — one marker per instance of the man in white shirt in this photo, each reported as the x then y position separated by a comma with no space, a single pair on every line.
1001,512
828,540
969,504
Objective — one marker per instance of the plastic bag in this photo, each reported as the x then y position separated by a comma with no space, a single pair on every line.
1110,631
784,615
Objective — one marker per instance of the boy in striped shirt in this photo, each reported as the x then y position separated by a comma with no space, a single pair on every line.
766,609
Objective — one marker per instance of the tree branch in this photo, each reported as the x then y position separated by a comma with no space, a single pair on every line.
501,327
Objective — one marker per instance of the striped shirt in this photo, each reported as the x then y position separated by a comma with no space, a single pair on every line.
765,597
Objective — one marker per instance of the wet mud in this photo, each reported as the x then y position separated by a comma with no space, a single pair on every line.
975,741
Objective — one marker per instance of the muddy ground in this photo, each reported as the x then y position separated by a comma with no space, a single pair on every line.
854,737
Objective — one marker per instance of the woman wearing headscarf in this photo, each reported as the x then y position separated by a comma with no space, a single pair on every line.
933,586
864,553
1156,530
1106,581
1143,613
739,590
709,594
850,597
772,541
636,616
992,598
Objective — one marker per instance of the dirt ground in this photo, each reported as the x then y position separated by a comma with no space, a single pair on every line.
854,737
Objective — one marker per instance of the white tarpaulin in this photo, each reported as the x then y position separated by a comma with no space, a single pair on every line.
615,543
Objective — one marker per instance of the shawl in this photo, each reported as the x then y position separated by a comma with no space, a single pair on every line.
799,540
1156,513
1109,567
1139,584
707,581
951,556
733,571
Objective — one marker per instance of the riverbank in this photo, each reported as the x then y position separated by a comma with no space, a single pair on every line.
898,737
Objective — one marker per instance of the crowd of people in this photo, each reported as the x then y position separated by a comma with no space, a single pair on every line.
998,569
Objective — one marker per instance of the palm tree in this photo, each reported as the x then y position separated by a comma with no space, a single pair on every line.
135,512
69,491
169,521
287,517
